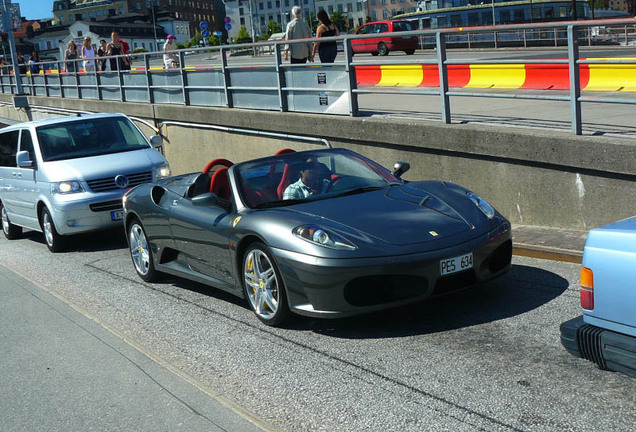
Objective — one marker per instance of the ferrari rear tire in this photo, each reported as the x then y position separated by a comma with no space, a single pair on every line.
140,252
264,286
11,232
54,240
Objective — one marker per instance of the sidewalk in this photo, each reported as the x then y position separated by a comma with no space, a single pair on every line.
62,371
548,243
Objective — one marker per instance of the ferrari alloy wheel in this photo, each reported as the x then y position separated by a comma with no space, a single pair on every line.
11,232
54,241
140,252
382,49
264,286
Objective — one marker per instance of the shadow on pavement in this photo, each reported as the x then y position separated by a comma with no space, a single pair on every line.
521,290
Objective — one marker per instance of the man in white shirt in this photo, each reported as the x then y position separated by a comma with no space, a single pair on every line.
298,29
310,182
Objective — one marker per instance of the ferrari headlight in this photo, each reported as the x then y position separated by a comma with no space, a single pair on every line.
66,187
483,205
162,171
317,235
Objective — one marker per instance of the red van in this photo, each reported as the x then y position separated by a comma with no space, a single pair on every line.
383,44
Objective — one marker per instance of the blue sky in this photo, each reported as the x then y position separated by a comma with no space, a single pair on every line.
35,9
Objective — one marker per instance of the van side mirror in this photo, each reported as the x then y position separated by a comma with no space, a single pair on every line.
156,141
23,160
400,168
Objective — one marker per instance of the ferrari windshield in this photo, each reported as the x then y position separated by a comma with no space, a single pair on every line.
311,175
91,137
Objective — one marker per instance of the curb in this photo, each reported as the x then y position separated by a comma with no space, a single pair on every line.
546,252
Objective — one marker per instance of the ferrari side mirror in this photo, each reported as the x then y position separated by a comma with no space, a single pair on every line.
400,168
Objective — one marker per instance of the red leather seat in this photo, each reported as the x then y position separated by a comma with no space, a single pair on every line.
220,184
216,162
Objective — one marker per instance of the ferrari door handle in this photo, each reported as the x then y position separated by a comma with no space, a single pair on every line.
175,202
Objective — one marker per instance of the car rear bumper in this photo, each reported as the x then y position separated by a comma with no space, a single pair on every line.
609,350
343,287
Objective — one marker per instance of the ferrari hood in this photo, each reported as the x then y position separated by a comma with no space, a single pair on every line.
401,215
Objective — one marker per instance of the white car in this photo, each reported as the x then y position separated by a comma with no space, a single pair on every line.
67,175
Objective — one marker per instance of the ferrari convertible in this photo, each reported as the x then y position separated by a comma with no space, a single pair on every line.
323,233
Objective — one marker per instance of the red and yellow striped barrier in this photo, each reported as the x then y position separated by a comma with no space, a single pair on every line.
536,76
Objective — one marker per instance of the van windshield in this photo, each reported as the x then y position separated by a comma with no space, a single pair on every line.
92,137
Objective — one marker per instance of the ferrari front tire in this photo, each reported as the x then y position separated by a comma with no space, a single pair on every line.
11,232
264,286
140,252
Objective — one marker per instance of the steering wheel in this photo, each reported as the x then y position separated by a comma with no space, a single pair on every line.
335,179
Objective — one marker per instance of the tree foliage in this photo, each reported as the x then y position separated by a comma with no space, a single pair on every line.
273,27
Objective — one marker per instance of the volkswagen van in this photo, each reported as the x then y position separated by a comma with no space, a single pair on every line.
67,175
385,42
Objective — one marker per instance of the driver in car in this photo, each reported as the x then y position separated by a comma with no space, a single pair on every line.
311,182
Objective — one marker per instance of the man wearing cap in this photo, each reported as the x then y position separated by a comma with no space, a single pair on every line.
170,59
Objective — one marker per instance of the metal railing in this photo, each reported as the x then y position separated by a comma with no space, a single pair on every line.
270,84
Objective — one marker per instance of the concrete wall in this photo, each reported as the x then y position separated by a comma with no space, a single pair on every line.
533,177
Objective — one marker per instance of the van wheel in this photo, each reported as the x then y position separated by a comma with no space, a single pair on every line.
382,49
409,51
11,232
54,241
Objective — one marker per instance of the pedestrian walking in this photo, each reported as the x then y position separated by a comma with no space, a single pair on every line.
298,29
327,51
118,47
102,51
71,54
88,54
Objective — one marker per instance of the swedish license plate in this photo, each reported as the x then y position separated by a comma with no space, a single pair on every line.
116,215
457,264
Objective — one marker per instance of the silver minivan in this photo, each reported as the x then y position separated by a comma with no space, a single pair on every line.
67,175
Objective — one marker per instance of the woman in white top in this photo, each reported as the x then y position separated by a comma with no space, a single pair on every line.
88,54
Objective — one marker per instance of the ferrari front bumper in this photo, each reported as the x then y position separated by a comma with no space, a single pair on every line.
336,288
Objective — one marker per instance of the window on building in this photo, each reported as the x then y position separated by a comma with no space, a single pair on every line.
71,17
519,15
242,21
374,15
260,6
84,16
340,8
49,45
98,13
393,12
62,19
241,12
349,7
385,13
383,1
121,10
79,34
392,1
330,9
278,3
358,6
269,5
286,3
137,5
373,4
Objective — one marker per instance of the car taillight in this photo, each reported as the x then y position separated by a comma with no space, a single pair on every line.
587,288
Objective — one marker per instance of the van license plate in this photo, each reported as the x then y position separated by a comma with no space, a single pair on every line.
457,264
117,215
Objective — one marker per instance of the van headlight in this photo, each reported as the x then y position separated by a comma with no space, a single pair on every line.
162,172
66,187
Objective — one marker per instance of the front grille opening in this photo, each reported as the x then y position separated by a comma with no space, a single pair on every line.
454,282
108,183
375,290
106,206
500,258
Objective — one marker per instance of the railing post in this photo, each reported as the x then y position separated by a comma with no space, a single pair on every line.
280,73
575,79
122,97
46,82
353,79
184,79
556,38
440,40
59,75
151,98
226,79
98,80
525,42
77,84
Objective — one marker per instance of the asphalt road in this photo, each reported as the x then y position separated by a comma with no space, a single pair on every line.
489,359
